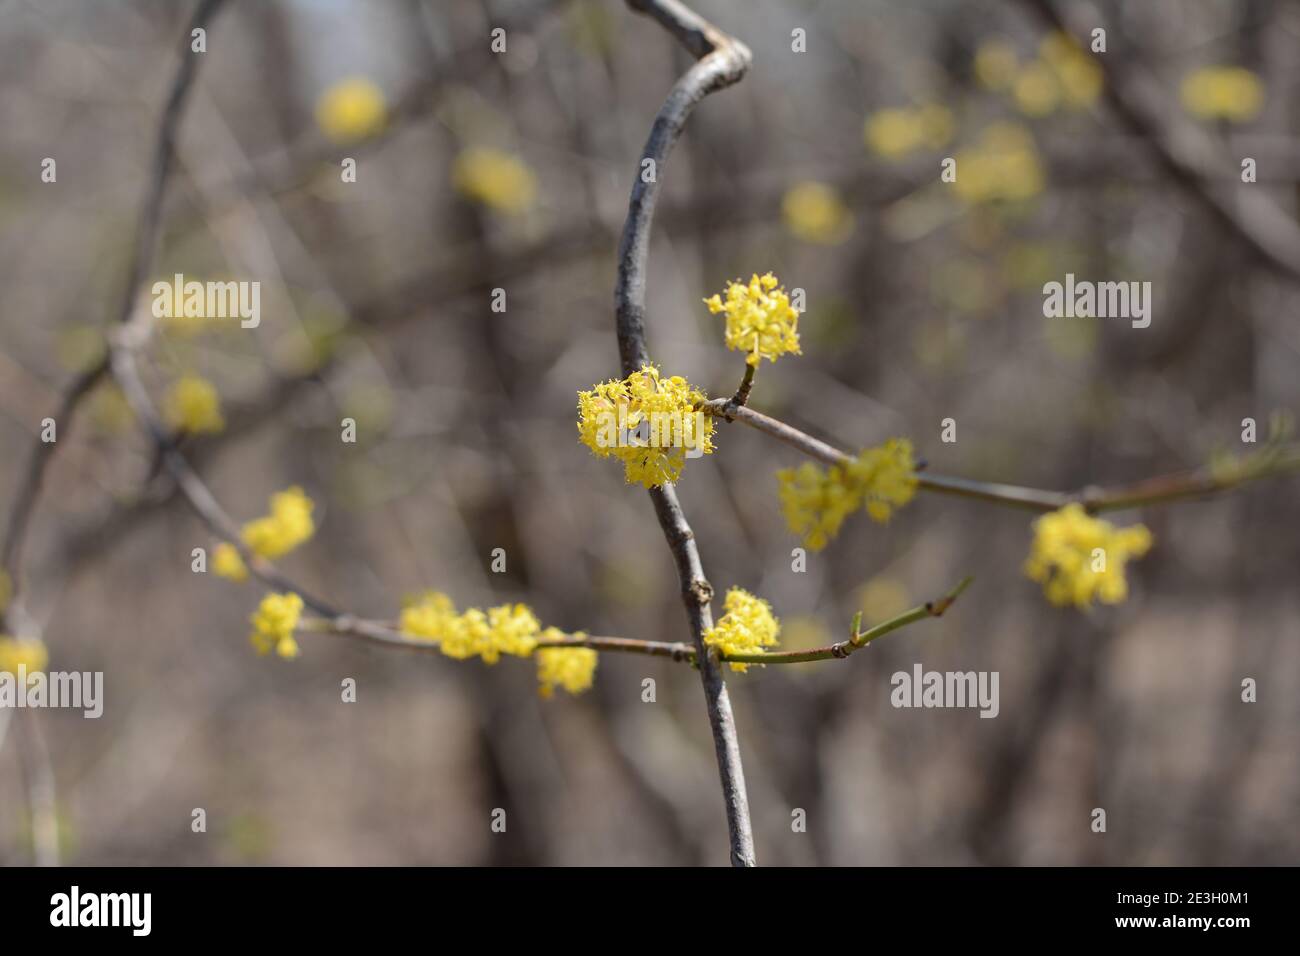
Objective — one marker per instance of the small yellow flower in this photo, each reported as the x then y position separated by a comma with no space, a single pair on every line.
1077,557
192,405
428,616
894,133
227,563
1078,75
746,628
815,213
646,421
494,178
274,622
507,629
1036,91
288,525
572,668
352,109
512,629
886,476
815,501
760,320
1230,93
995,65
18,652
1003,165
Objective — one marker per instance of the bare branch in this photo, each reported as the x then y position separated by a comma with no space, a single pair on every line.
721,62
29,488
1165,488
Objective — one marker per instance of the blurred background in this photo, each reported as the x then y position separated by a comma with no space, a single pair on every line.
478,171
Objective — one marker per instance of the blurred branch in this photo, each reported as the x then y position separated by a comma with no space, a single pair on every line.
38,776
1192,156
1158,490
721,62
29,488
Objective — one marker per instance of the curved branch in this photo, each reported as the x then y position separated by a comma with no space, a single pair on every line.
721,62
146,241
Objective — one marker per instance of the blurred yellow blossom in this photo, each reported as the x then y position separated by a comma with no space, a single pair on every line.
192,405
760,320
572,668
1230,93
995,64
646,421
288,525
1003,165
351,109
28,652
427,616
508,629
494,178
1078,75
895,132
882,598
815,501
1077,557
274,622
747,627
227,563
814,212
1036,90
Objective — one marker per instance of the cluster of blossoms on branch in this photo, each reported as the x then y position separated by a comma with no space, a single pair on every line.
760,320
747,627
816,500
647,421
508,629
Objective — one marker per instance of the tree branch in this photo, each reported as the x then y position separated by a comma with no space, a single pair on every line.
146,240
382,632
1158,490
721,62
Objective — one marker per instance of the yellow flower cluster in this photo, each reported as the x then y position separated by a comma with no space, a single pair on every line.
1077,557
18,652
1063,75
494,178
896,132
646,421
1231,93
814,212
352,109
747,627
192,405
227,563
507,629
288,525
1003,165
760,320
572,668
816,501
274,622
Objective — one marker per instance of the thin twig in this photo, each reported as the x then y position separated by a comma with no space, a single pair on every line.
1165,488
384,632
721,62
146,240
